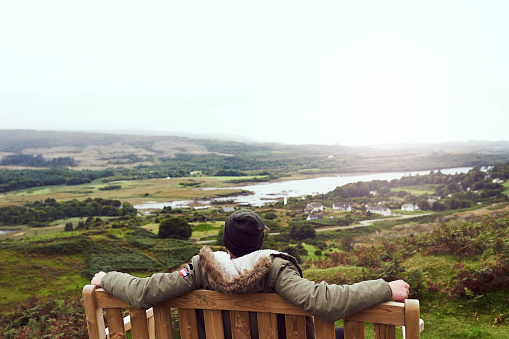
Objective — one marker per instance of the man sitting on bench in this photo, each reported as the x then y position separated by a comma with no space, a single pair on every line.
246,268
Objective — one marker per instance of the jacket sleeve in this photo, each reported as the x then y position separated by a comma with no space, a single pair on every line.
331,302
144,293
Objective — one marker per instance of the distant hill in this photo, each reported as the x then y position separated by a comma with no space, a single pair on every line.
101,150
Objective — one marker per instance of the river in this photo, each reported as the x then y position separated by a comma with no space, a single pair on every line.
265,193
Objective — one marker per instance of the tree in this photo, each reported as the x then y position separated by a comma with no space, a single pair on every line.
424,205
347,243
81,225
175,228
292,250
68,227
302,232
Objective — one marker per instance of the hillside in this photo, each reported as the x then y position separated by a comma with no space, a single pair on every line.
456,264
99,151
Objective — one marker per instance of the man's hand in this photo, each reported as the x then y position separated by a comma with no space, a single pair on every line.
399,290
96,280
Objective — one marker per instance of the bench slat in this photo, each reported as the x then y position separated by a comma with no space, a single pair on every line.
267,325
163,325
213,324
387,313
206,299
324,329
384,331
188,324
240,324
139,324
354,329
295,326
115,320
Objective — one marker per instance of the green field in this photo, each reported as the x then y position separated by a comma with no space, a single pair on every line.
415,190
132,191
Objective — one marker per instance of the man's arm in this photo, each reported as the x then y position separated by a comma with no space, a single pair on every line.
144,293
334,302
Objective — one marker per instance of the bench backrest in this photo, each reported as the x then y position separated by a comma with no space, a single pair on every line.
157,321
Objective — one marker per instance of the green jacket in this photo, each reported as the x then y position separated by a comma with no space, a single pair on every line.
261,271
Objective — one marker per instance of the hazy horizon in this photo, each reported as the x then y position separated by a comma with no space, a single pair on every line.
332,72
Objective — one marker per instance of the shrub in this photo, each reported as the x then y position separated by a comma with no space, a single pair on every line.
46,319
175,228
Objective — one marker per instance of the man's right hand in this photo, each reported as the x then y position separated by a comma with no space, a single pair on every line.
399,289
96,280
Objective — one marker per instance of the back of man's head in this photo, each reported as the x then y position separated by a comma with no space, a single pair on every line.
243,232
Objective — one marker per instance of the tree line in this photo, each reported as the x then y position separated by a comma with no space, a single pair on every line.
37,161
42,212
11,180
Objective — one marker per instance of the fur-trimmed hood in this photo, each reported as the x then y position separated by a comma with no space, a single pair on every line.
238,275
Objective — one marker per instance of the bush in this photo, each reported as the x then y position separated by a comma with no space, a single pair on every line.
175,228
46,319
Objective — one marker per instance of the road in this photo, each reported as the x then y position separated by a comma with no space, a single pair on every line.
363,223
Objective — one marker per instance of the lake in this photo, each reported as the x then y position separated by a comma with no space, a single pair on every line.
265,193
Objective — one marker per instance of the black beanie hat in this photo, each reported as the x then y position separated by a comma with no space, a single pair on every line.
243,232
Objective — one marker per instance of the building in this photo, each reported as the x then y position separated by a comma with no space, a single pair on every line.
385,211
314,217
314,207
227,209
342,207
408,207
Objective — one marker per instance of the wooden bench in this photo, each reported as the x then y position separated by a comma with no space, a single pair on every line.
157,322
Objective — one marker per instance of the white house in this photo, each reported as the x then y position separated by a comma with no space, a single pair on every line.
227,209
314,207
314,217
408,207
385,211
342,207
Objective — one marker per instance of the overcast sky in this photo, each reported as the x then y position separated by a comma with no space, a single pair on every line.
321,72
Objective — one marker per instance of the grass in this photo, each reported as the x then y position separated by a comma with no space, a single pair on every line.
133,191
415,190
311,252
24,275
201,230
506,187
61,264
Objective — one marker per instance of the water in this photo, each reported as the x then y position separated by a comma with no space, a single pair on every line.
6,231
265,193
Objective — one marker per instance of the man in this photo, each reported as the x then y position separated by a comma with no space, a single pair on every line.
246,268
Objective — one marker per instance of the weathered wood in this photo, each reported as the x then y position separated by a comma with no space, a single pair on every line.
139,324
210,300
93,313
384,331
412,319
157,322
240,325
267,325
115,320
188,324
213,324
295,326
392,313
323,329
163,325
354,329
